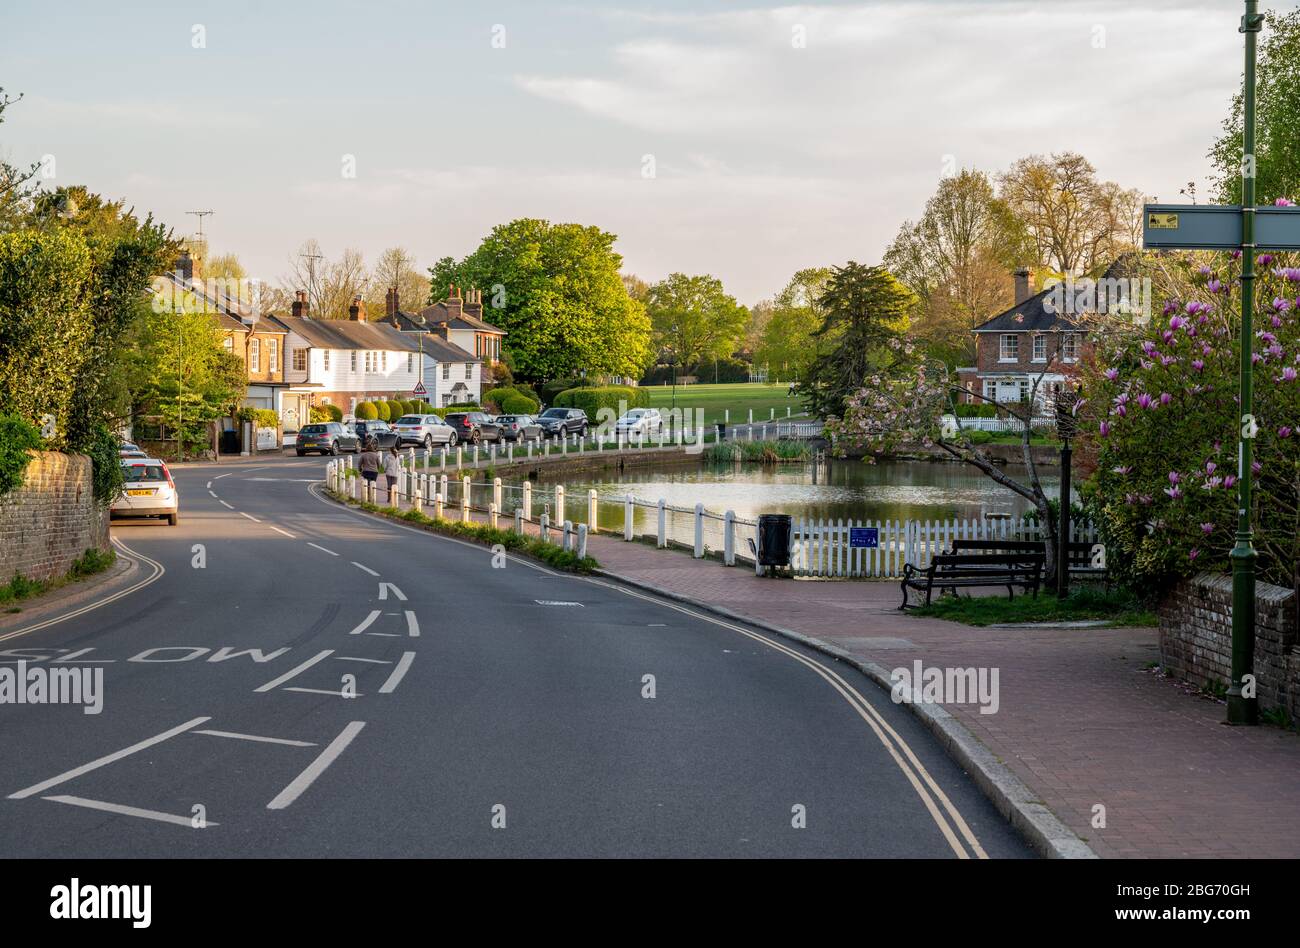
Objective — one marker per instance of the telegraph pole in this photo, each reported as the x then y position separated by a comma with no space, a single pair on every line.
1243,709
311,259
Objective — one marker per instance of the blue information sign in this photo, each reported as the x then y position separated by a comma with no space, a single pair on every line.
868,537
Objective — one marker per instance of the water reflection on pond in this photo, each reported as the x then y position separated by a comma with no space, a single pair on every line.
841,489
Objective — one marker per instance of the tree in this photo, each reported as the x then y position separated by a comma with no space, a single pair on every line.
331,285
1277,140
396,267
556,290
16,184
694,318
866,310
788,345
958,259
1078,225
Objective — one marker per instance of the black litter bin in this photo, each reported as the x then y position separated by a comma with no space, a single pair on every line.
229,441
722,430
774,539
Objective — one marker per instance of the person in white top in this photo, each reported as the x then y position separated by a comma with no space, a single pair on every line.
392,468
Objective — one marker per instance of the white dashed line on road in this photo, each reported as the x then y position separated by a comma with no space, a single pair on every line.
209,485
249,516
321,548
226,505
285,532
395,679
364,569
213,493
316,767
325,691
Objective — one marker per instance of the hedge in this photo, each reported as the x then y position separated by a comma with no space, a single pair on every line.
517,403
551,390
395,410
17,437
977,410
617,398
366,411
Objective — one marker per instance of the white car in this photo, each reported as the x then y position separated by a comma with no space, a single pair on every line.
149,491
427,430
640,421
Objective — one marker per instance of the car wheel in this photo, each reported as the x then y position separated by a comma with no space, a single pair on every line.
172,518
475,438
302,454
428,442
334,448
452,439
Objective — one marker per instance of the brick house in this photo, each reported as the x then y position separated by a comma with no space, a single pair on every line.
346,362
457,320
1029,342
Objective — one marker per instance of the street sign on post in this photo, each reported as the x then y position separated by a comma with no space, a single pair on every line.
1217,227
419,389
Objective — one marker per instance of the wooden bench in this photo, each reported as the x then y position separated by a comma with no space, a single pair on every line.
953,570
1079,554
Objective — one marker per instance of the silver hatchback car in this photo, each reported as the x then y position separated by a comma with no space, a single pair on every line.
149,491
427,430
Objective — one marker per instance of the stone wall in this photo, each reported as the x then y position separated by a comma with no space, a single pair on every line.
52,519
1196,638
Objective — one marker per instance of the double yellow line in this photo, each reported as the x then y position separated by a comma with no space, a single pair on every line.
945,815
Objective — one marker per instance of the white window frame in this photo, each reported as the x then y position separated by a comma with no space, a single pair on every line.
383,359
255,355
272,355
325,359
1040,348
367,361
410,362
446,371
354,360
228,344
1070,347
469,371
1014,347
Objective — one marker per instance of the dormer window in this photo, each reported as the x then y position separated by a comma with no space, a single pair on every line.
1008,347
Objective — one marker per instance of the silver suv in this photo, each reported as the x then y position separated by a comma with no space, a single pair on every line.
427,430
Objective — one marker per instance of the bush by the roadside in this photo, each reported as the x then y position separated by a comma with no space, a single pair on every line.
616,398
89,563
17,439
366,411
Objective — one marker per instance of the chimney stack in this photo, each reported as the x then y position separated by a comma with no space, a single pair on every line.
390,303
474,303
185,267
1022,285
357,311
300,304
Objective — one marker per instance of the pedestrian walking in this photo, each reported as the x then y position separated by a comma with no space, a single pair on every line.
370,462
392,468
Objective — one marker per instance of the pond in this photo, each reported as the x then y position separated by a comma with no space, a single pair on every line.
848,489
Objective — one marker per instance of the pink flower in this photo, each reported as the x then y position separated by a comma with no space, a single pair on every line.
1264,259
1165,398
1198,365
1256,467
1214,286
1144,400
1174,477
1288,374
1104,428
1176,322
1210,467
1122,468
1207,528
1111,374
1283,202
1284,431
1229,480
1193,554
1174,492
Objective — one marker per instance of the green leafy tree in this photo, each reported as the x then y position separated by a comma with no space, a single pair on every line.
556,290
1277,138
866,310
17,185
788,345
694,318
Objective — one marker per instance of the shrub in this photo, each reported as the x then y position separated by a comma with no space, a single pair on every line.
979,437
616,398
516,403
381,410
551,390
320,413
395,410
976,410
265,418
17,439
366,411
101,445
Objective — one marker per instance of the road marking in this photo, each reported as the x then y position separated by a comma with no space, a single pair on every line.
220,476
295,671
383,591
285,532
212,492
325,691
387,635
159,569
372,661
321,548
107,759
256,737
395,679
557,602
868,713
123,810
365,623
210,486
364,569
249,516
226,505
412,625
316,767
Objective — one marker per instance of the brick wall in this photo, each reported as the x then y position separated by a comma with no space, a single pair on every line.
1196,638
52,519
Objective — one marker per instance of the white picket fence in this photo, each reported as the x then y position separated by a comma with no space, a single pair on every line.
823,547
1005,424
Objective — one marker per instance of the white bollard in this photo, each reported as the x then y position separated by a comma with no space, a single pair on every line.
699,531
661,533
437,506
751,417
559,503
519,520
566,530
582,540
464,499
476,455
510,452
629,513
545,531
771,414
592,510
442,458
417,501
726,415
528,501
492,515
729,538
460,456
496,492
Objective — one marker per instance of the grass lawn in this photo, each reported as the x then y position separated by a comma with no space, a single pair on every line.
1118,608
712,400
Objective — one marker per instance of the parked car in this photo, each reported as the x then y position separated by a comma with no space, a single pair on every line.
520,428
474,426
384,436
148,491
558,422
328,437
640,422
129,449
427,430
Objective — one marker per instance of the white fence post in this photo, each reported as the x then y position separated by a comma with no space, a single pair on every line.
545,528
437,505
519,520
661,528
729,538
567,530
528,501
758,541
464,499
699,531
496,492
492,515
629,515
559,503
592,510
442,458
582,541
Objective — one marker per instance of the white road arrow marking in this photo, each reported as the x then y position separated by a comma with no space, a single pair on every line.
383,591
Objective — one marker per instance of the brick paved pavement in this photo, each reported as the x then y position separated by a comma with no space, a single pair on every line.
1082,721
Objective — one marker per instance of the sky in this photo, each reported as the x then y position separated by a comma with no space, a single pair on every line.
747,140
